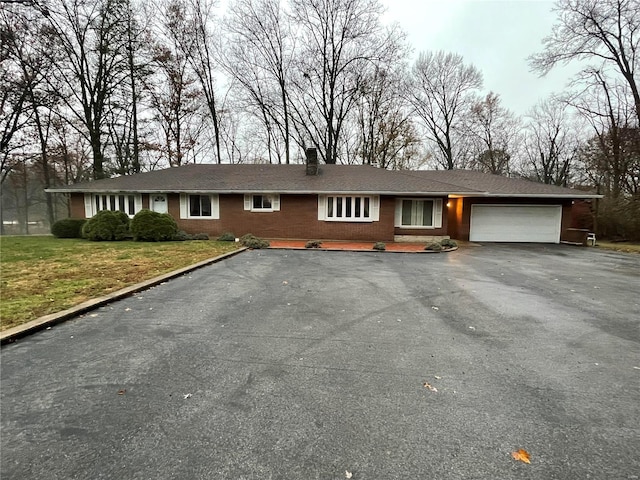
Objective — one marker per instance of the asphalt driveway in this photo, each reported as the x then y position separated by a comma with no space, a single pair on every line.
305,364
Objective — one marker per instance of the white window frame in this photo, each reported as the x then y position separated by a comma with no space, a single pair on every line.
330,205
96,202
274,198
185,206
436,213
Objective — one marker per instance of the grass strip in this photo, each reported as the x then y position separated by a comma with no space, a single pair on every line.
40,275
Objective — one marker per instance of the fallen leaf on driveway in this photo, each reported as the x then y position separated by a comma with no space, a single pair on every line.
437,377
122,392
186,395
127,309
285,282
430,387
434,307
348,474
521,455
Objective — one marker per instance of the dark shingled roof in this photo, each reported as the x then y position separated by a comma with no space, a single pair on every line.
497,185
347,179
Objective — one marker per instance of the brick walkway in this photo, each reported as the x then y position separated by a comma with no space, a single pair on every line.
351,246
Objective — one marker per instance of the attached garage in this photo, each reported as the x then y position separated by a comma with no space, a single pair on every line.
516,223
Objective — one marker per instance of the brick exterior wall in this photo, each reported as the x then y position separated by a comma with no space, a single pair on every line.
297,218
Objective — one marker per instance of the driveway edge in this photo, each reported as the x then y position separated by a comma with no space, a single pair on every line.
14,333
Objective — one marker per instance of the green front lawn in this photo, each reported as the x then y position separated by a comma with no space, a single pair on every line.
42,275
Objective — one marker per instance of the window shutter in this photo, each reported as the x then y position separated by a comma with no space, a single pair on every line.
322,207
215,206
398,219
137,202
88,206
183,205
437,213
275,203
375,208
248,200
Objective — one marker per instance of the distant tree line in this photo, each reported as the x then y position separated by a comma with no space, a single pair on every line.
95,88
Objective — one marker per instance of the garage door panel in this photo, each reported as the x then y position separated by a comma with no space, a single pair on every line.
516,223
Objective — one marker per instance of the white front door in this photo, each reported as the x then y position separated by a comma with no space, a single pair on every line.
159,203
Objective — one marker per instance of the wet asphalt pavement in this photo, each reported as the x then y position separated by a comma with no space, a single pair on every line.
307,365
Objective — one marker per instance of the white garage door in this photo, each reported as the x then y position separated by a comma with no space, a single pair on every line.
515,223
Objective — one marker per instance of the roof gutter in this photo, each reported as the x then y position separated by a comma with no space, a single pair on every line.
241,192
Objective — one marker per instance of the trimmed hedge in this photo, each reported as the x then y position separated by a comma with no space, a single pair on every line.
227,237
313,244
148,226
106,226
68,228
380,246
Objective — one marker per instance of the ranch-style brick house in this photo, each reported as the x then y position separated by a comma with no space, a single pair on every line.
338,202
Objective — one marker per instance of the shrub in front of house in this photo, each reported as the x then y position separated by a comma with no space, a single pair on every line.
251,241
448,243
68,228
227,237
201,236
149,226
434,247
182,236
106,226
313,244
380,246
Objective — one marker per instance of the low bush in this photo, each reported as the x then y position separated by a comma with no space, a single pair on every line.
227,237
380,246
313,244
201,236
68,228
148,226
434,247
448,243
251,241
182,236
106,226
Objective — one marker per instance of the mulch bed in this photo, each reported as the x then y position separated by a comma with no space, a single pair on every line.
350,246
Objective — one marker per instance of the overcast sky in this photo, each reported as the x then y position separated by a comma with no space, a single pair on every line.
494,35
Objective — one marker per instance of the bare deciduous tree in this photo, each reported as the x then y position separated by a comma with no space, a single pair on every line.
550,143
340,41
259,57
88,48
494,130
606,30
440,91
174,93
387,135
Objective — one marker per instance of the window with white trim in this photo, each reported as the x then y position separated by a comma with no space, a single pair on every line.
348,208
418,213
199,205
124,202
262,202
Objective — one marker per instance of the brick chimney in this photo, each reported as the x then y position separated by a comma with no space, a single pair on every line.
312,161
